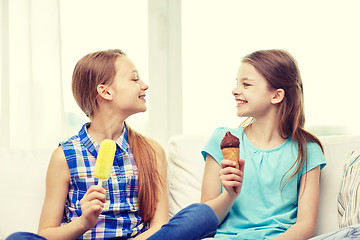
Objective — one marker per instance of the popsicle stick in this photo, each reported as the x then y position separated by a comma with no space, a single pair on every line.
100,182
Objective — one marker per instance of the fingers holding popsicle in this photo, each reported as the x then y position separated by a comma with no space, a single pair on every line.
95,197
91,205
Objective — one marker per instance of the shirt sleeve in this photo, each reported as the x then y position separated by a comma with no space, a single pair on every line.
212,147
315,157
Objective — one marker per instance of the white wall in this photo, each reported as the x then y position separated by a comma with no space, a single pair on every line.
322,35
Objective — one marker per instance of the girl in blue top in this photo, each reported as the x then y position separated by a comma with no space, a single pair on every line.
275,193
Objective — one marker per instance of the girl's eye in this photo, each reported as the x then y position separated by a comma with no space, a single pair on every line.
246,84
135,79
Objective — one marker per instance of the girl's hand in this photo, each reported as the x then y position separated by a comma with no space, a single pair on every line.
231,177
91,205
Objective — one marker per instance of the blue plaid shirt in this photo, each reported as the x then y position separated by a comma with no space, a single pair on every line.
120,217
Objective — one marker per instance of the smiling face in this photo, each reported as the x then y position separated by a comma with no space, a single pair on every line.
127,89
252,94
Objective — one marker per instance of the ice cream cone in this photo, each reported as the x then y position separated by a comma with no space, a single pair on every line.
231,153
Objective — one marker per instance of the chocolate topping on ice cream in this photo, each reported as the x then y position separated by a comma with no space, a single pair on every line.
229,141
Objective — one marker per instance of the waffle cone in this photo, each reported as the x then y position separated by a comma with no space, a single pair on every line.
231,153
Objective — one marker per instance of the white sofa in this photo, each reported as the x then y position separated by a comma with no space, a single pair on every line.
22,174
22,177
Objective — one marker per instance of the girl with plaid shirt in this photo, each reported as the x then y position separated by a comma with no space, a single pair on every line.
133,203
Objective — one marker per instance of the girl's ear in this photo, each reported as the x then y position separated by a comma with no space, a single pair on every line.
104,92
278,96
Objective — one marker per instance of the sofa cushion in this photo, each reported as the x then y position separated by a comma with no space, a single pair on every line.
185,171
349,195
336,150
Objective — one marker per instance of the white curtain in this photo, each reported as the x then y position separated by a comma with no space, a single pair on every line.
32,112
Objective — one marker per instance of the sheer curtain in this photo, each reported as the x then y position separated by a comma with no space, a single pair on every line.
32,113
42,40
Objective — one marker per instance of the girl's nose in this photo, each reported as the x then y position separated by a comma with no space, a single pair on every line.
144,86
235,91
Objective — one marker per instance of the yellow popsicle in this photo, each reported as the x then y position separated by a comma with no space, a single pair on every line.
104,160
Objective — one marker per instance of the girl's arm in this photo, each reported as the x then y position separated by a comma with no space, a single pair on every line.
214,177
161,215
308,203
57,186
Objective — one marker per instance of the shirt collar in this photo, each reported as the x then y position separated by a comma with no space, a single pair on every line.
93,147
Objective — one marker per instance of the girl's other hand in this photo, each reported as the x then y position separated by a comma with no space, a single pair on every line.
231,177
91,205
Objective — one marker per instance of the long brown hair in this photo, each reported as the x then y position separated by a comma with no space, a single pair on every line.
281,71
149,178
99,68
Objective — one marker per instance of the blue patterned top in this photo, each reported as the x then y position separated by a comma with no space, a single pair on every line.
120,216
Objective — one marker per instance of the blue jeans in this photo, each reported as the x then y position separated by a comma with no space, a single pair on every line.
194,222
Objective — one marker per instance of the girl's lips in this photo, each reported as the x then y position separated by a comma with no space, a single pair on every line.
142,97
240,102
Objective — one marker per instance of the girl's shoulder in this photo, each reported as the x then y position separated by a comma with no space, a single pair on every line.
313,146
70,145
58,164
310,145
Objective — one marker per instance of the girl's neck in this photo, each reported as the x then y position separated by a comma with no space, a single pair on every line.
105,126
264,135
